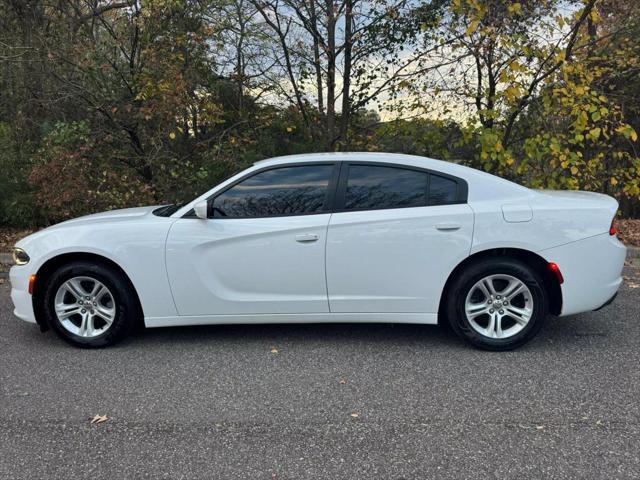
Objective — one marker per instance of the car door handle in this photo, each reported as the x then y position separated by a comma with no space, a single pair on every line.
448,226
306,238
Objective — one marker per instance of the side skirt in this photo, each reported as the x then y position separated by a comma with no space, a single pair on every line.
421,318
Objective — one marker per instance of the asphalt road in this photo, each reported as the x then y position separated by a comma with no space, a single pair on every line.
215,402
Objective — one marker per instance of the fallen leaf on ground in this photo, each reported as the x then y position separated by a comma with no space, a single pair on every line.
99,419
274,350
9,236
629,231
343,381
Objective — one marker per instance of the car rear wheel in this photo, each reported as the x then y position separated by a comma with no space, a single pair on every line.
497,304
90,305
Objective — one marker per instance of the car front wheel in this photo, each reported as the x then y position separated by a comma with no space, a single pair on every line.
90,305
497,304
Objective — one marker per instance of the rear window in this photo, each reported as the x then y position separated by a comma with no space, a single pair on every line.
377,187
442,191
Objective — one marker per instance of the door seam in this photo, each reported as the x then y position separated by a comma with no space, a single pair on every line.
326,277
166,266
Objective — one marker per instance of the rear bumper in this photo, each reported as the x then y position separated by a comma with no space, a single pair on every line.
592,271
608,302
22,300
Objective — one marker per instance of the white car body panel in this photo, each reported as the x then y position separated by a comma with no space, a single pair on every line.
591,270
375,265
419,318
133,238
248,265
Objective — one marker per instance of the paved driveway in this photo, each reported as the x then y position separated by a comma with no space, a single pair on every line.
336,401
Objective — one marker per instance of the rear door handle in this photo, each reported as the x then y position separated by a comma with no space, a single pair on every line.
448,226
306,238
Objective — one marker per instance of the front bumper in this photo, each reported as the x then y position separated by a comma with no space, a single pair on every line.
22,300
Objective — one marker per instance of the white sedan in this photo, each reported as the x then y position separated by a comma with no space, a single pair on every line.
345,237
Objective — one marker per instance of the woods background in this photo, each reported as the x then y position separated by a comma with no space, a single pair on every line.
107,104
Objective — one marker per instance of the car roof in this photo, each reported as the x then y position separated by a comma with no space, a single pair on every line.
399,158
482,185
443,166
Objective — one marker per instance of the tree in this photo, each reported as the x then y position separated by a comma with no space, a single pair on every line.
341,56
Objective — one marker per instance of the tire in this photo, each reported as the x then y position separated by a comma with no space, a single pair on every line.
113,312
483,320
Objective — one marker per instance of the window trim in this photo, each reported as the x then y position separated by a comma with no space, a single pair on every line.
341,193
327,206
337,187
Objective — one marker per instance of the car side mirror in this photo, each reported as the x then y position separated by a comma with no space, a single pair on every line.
202,209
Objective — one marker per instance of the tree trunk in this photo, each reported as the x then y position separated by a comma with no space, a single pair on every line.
240,58
331,76
346,79
316,55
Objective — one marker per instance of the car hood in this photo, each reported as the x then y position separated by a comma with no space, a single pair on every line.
122,215
112,216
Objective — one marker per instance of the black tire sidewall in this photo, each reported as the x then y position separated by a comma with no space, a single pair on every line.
470,276
114,281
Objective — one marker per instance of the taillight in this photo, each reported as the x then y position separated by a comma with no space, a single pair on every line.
555,269
613,229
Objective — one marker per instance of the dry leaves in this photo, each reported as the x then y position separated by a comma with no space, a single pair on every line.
343,381
631,282
9,237
629,231
99,419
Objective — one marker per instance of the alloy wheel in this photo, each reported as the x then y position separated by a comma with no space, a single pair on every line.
499,306
85,307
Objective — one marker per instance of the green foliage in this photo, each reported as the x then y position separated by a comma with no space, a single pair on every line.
71,177
106,107
429,138
540,83
16,201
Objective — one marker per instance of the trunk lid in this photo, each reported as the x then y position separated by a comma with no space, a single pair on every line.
589,208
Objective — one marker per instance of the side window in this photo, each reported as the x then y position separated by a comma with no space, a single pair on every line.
373,187
295,190
442,191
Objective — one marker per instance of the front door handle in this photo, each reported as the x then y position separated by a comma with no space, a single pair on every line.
448,226
307,238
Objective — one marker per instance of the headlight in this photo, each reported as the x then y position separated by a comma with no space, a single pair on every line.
20,257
